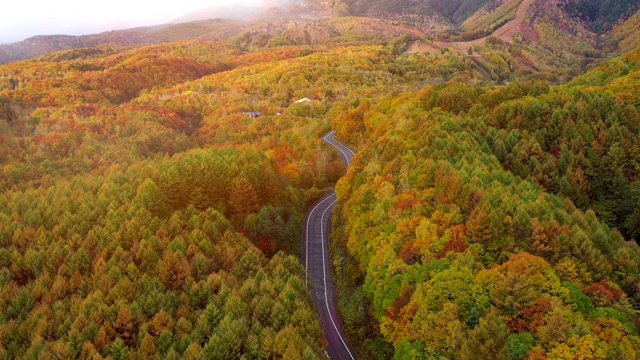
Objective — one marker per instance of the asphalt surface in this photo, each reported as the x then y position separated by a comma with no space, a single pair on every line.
318,262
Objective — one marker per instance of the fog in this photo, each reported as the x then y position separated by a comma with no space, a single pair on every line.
23,19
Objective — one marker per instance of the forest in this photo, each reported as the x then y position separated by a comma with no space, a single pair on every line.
499,222
143,216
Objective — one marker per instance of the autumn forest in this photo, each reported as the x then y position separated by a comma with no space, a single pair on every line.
492,209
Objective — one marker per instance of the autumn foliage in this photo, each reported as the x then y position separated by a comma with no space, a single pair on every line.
142,215
495,228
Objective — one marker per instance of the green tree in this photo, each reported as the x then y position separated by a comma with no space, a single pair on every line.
21,304
517,346
152,198
119,350
487,340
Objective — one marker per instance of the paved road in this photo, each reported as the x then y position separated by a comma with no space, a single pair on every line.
318,264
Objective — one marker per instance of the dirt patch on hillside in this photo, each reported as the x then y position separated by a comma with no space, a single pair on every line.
410,30
418,47
506,32
526,62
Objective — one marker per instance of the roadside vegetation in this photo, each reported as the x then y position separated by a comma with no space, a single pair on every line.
145,215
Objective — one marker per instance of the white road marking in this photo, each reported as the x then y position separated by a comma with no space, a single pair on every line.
333,138
306,259
332,134
324,277
347,153
329,138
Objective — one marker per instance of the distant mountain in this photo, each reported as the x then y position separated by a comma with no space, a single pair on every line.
45,44
576,25
453,10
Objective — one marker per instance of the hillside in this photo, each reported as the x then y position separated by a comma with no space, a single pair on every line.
145,215
482,223
625,37
537,38
406,10
42,45
601,16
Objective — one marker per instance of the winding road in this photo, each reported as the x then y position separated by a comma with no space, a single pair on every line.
317,262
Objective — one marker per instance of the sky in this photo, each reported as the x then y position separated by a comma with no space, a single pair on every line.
25,18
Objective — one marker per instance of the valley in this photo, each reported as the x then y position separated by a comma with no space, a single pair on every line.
168,192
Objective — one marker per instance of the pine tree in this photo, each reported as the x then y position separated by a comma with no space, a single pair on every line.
173,269
119,350
148,348
243,200
487,340
152,198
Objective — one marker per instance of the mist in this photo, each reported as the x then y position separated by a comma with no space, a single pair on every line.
72,17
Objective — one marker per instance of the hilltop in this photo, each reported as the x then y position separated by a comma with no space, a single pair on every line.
506,38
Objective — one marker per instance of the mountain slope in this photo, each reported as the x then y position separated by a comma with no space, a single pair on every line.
601,15
142,215
625,37
474,220
549,37
42,45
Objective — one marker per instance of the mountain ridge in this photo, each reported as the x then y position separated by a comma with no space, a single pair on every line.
464,20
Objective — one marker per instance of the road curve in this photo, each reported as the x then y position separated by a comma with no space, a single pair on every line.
317,262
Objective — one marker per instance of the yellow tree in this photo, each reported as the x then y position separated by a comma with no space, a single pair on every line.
243,200
173,269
